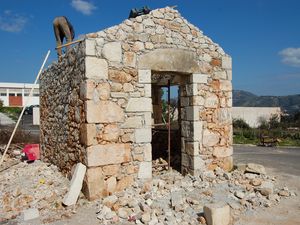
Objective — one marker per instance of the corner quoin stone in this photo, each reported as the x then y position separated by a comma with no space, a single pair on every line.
96,68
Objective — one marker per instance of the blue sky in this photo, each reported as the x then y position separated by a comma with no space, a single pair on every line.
262,36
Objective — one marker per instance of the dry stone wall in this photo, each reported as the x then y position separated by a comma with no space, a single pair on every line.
62,111
112,101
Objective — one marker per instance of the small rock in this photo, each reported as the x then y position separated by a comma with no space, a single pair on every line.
146,217
284,193
109,201
122,213
256,182
217,214
176,198
239,194
255,168
266,188
202,220
241,167
31,214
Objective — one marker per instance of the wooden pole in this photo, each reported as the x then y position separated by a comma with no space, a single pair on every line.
169,127
70,43
29,98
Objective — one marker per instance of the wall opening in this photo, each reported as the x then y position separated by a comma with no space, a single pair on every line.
161,83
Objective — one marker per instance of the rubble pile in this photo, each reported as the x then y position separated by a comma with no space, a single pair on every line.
36,185
169,198
174,199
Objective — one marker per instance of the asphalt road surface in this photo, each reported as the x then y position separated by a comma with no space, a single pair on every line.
280,159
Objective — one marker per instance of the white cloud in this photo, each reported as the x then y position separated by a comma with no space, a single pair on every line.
290,56
83,6
12,22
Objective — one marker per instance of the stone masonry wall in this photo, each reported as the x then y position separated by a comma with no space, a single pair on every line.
62,111
126,54
111,133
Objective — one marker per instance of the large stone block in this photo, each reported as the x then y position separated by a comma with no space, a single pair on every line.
226,62
145,170
133,122
192,148
198,78
90,47
112,51
94,186
100,155
96,68
192,113
139,105
143,135
88,134
197,130
144,76
103,112
217,214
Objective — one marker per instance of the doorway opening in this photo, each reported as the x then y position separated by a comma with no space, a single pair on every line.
166,140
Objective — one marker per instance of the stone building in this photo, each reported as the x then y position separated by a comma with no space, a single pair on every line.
97,102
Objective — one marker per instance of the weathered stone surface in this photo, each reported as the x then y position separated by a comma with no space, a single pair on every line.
112,51
211,101
94,186
144,76
198,78
210,138
103,112
129,59
145,170
90,47
160,60
75,186
100,155
221,152
143,135
111,132
31,214
96,68
226,62
124,182
133,122
103,90
111,185
192,148
111,170
139,105
217,214
255,168
88,134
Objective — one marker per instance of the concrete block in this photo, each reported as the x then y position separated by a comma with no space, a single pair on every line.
96,68
217,214
75,186
144,76
145,170
143,135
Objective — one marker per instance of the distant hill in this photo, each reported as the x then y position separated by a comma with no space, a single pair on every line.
289,103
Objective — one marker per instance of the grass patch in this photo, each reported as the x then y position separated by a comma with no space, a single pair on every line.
11,112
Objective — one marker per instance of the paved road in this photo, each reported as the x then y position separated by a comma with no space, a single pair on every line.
284,160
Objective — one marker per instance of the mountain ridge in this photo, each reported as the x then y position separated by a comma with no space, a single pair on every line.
288,103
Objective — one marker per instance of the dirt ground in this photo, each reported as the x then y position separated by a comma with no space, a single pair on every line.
284,163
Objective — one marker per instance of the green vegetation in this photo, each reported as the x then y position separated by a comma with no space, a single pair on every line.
283,133
12,112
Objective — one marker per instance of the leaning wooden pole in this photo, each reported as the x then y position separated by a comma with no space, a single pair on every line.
169,126
29,98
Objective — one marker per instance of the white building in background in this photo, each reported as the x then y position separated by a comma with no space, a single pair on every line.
17,94
253,116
